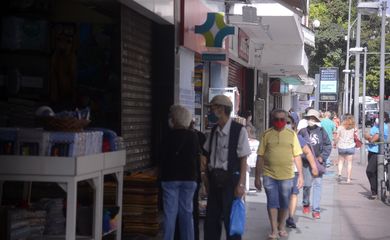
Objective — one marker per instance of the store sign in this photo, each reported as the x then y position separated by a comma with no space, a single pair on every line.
214,30
243,45
213,57
329,78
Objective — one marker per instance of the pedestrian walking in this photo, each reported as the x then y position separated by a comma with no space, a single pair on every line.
346,146
179,174
304,142
228,148
373,150
330,127
278,146
322,147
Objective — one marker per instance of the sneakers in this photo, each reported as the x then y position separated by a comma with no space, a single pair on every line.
306,209
290,223
339,178
373,197
316,215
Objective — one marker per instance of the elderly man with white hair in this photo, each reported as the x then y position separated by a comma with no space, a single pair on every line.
179,173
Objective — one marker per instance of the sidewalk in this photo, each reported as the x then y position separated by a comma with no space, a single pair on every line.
346,212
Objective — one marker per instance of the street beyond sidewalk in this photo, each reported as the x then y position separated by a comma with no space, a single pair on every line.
346,212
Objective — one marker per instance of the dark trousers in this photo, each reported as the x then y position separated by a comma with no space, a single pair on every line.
219,204
195,215
372,172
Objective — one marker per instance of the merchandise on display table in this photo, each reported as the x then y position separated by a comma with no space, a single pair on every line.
63,121
32,142
8,138
25,223
68,172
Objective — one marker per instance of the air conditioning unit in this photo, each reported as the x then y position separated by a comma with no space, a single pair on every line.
249,14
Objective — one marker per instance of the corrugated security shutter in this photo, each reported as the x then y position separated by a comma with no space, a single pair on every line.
136,89
235,75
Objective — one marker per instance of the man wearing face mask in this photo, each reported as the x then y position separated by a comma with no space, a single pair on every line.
322,147
227,148
278,146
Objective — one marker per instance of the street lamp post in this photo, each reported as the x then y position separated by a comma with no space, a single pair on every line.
347,71
356,51
369,8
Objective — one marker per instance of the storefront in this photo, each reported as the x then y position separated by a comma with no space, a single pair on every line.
104,55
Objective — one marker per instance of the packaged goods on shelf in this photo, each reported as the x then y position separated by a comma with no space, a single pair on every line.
8,138
32,142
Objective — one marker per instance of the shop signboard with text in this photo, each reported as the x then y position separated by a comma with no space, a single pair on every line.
329,78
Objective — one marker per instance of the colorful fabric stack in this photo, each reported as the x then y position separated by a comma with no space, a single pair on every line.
140,204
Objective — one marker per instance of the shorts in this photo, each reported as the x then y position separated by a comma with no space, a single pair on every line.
295,189
346,151
278,192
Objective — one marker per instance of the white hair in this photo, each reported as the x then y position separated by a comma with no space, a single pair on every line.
180,115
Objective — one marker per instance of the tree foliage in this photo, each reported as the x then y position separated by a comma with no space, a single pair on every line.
331,46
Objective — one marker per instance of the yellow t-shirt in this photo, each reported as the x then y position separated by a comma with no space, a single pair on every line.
278,149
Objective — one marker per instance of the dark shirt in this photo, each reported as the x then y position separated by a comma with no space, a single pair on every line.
181,156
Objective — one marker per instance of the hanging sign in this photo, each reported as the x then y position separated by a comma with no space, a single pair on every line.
329,78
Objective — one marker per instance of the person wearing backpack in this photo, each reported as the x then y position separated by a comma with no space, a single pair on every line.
321,146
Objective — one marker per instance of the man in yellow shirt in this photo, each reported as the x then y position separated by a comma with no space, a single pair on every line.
278,146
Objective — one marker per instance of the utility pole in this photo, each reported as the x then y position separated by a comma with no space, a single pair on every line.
357,70
346,76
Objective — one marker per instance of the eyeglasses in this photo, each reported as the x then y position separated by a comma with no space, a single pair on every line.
279,119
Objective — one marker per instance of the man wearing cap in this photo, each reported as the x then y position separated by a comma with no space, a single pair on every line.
227,147
279,146
322,147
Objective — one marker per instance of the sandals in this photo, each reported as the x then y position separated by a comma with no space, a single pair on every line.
280,234
273,236
283,233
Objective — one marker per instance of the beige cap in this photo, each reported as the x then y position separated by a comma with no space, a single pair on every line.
313,113
221,100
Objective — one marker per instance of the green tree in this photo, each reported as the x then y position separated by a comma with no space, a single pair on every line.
330,49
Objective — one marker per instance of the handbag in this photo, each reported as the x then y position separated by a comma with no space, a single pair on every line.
237,217
357,141
320,167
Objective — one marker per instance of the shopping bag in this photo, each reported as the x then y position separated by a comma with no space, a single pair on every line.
237,217
357,141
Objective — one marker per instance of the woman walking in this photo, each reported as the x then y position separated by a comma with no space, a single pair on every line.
346,146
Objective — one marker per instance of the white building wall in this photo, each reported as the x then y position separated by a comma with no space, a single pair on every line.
184,87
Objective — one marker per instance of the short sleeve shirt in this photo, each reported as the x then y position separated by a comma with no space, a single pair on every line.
375,130
220,149
278,149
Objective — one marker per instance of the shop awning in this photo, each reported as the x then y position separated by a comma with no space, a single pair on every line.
305,89
295,4
292,80
278,37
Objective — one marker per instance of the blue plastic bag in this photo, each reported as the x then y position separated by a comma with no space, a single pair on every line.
237,217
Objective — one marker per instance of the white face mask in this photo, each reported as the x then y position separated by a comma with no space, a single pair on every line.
289,126
377,121
311,123
170,123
